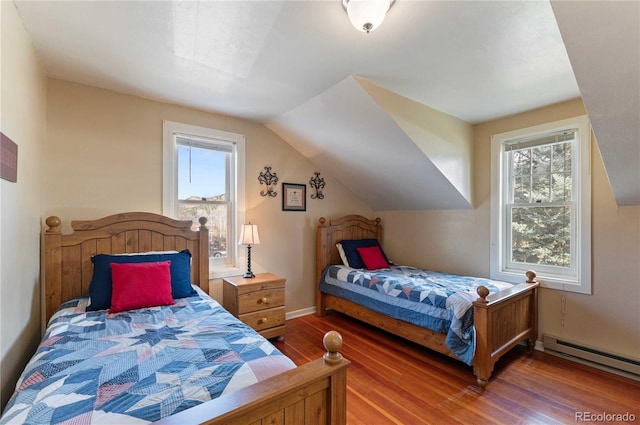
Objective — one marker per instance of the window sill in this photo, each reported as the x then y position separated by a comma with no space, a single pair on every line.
567,284
222,272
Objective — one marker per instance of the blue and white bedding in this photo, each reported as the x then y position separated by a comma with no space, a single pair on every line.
437,301
138,366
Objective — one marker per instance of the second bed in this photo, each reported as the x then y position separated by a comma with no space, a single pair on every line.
471,319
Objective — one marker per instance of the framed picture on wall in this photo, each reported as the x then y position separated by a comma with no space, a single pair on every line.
294,197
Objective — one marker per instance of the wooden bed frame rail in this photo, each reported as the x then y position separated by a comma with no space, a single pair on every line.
501,320
311,394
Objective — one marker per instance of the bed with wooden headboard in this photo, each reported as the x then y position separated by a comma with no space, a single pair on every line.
314,393
501,320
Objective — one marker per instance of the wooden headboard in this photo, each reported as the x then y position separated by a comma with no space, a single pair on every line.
67,258
330,232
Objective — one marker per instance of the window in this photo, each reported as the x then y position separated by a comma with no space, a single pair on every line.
201,177
541,205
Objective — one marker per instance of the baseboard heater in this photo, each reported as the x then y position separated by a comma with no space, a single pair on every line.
594,356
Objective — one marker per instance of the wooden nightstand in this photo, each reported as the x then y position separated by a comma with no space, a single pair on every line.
258,302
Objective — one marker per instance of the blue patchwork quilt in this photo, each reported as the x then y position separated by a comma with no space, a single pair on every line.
138,366
437,301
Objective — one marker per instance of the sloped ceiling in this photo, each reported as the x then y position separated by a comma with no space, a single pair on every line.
270,61
345,132
603,43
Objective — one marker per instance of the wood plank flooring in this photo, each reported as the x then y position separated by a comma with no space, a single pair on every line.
393,381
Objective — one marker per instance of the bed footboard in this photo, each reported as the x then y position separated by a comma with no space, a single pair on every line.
314,393
502,321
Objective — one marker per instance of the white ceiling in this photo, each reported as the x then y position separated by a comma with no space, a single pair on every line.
259,59
262,60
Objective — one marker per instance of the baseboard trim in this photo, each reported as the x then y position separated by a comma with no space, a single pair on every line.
299,313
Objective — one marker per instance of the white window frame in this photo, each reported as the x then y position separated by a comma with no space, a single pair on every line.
218,268
578,279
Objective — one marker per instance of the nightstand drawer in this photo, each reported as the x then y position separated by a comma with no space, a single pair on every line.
264,319
260,300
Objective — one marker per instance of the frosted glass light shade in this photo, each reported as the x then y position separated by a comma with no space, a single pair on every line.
249,235
366,15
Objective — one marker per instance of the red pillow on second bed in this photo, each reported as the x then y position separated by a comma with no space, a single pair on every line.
372,257
140,285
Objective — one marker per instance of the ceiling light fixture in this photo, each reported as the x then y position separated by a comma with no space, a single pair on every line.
366,15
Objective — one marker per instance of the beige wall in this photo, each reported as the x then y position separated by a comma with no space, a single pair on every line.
458,242
104,156
23,117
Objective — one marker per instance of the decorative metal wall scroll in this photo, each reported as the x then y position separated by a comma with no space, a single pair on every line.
269,179
317,183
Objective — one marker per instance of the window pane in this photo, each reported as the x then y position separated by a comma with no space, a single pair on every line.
216,215
561,191
521,192
522,162
201,174
541,173
562,157
561,173
541,235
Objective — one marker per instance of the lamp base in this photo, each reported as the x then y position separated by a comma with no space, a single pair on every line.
249,274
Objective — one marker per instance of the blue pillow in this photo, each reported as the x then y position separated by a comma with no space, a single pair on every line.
350,248
100,286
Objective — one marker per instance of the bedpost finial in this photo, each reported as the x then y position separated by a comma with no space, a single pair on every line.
322,220
202,221
332,341
531,276
483,292
53,222
378,220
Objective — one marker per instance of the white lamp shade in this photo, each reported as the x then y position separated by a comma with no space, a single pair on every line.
249,234
367,15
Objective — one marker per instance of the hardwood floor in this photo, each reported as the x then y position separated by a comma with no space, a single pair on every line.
393,381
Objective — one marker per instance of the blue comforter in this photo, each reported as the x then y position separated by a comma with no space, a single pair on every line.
138,366
437,301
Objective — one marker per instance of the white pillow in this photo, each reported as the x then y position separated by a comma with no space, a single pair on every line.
342,254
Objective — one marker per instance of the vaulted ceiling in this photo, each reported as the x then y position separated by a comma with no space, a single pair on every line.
401,100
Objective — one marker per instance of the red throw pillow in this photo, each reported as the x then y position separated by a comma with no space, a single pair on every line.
140,285
372,257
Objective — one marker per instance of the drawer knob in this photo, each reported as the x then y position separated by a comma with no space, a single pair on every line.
263,300
263,320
